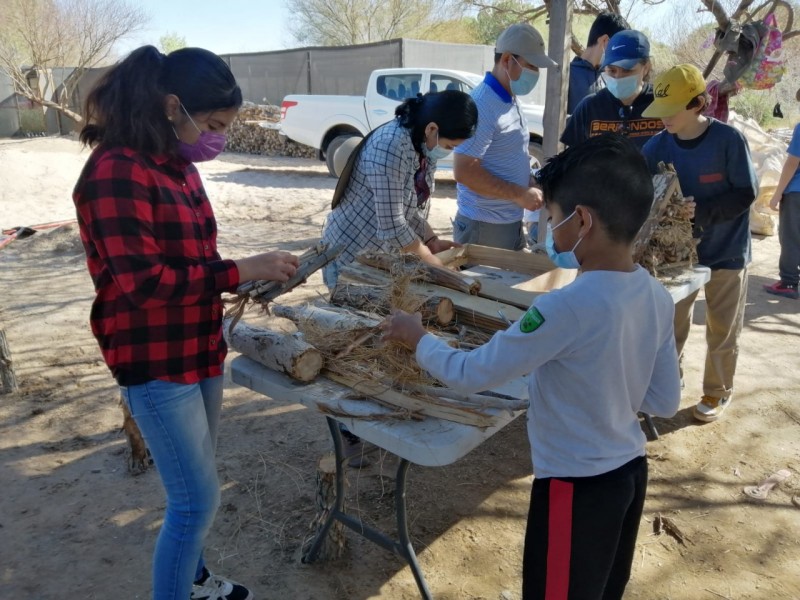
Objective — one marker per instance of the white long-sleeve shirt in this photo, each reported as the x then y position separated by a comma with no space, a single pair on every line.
604,350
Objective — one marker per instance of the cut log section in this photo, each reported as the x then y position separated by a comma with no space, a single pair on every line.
330,319
411,263
372,298
472,311
8,380
335,542
286,353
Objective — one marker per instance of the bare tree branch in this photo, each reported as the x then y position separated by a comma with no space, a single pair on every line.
39,36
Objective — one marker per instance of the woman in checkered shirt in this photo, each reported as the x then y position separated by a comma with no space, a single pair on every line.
385,202
151,246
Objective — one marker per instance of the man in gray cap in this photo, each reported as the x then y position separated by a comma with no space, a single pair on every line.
492,168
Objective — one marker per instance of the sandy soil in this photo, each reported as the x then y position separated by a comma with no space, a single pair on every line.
74,522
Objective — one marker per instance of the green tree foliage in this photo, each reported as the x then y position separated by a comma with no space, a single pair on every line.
171,41
345,22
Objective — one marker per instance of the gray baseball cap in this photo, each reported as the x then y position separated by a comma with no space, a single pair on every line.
523,40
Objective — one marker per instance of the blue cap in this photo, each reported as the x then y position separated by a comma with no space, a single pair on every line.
626,49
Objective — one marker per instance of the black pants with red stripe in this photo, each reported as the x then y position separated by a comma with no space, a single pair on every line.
581,534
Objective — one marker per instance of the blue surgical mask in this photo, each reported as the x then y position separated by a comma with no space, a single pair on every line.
565,260
437,152
622,88
526,82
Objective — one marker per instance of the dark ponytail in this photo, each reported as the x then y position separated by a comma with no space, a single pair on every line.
453,111
126,107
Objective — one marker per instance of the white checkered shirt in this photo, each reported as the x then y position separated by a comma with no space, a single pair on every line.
379,208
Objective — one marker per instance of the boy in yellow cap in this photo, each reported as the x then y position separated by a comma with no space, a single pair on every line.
714,168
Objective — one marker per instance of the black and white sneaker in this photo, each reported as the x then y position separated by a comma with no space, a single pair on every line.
214,587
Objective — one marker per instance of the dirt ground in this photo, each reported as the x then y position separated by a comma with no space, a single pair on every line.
74,522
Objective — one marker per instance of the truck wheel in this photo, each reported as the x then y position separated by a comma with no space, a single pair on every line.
536,151
330,152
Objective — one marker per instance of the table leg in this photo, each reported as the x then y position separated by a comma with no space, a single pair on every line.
651,426
402,548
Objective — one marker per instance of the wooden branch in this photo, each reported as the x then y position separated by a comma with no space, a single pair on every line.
372,298
310,261
286,353
410,263
472,311
382,392
475,400
329,319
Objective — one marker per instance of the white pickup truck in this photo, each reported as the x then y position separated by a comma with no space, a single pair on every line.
326,122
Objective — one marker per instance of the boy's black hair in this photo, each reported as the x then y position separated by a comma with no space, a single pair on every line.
606,173
606,23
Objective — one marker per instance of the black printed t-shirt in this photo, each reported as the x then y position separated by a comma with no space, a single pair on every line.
603,113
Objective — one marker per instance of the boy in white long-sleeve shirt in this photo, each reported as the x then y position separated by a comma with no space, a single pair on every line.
598,352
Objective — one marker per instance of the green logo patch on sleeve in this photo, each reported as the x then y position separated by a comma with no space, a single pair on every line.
531,320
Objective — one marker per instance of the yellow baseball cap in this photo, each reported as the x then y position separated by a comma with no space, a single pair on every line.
674,89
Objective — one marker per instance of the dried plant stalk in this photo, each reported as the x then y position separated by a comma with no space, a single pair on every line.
665,240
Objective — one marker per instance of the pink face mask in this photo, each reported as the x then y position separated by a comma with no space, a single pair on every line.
207,147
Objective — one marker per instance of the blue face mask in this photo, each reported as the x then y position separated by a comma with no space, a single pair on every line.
526,82
437,152
565,260
622,88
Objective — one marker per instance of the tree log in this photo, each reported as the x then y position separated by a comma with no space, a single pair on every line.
411,263
371,298
330,319
8,381
287,353
334,543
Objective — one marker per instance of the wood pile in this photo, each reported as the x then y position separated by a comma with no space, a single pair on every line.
248,135
665,241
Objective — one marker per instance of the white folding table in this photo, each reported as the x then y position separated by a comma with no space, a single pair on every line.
431,442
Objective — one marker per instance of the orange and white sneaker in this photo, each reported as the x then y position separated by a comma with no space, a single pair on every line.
710,408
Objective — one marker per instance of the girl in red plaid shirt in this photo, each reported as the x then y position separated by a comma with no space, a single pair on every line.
151,246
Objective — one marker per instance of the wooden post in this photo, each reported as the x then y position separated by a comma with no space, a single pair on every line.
8,381
559,48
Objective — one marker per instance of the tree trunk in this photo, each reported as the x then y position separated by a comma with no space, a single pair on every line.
371,298
334,544
287,353
8,381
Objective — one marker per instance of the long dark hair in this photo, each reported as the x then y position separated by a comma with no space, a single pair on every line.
453,111
126,107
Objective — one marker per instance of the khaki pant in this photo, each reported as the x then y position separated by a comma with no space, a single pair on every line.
725,300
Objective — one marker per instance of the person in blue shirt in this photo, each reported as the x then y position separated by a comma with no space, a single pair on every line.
592,367
584,70
786,199
712,160
493,169
618,107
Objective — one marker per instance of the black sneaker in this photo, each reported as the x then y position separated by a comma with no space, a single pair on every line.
214,587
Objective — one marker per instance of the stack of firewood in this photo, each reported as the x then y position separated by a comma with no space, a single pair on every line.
255,131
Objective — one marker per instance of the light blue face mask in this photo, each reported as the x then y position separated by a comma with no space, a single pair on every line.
437,152
526,82
622,88
565,260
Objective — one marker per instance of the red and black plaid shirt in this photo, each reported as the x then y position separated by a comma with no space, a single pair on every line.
151,247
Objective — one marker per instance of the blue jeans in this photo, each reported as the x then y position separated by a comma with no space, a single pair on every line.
179,423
